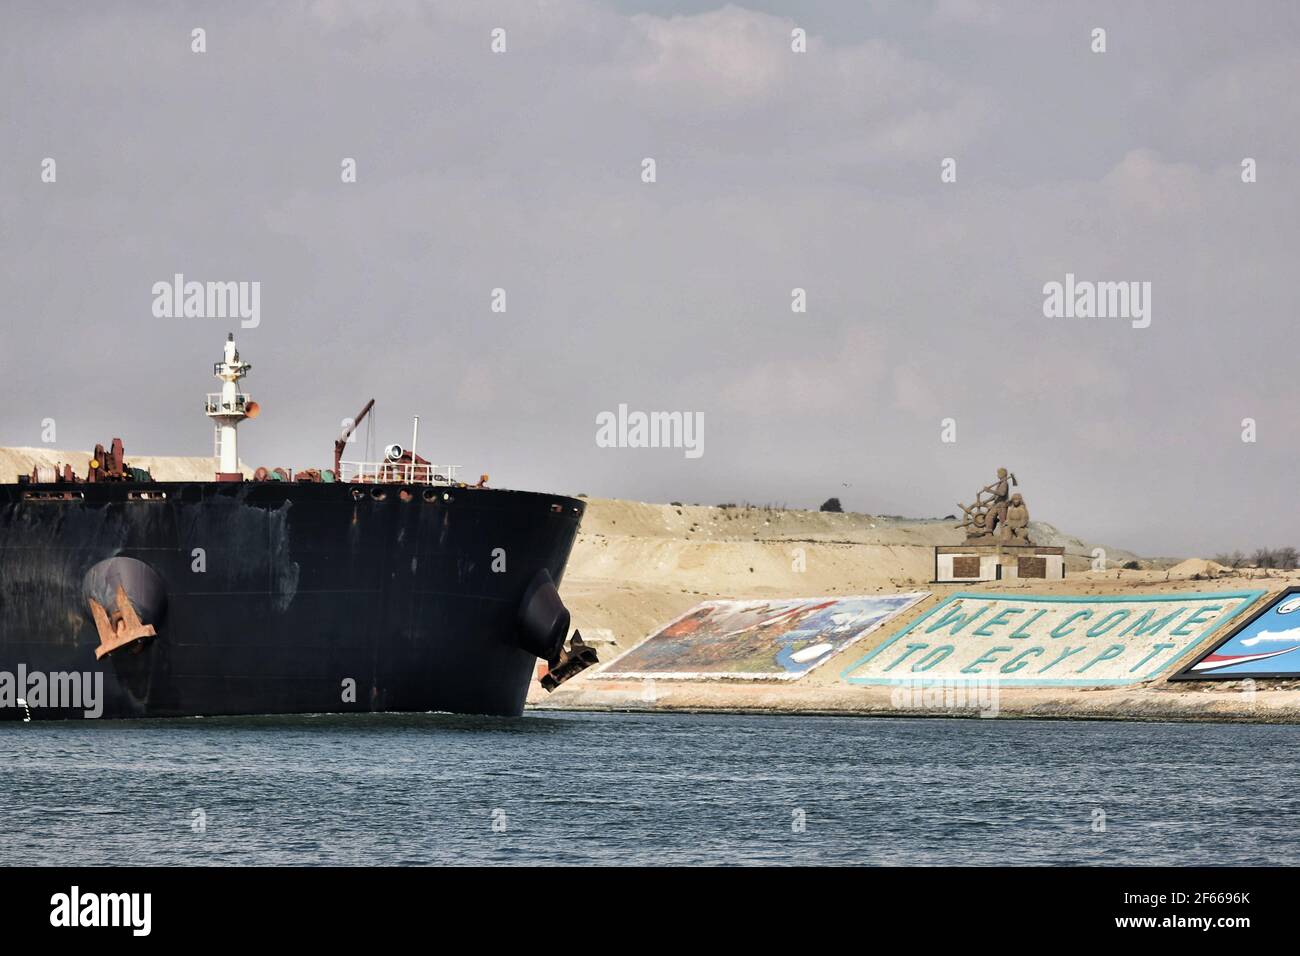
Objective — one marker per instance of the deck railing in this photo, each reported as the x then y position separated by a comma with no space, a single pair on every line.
393,472
215,404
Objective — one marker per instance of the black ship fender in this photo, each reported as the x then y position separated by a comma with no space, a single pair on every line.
127,599
543,625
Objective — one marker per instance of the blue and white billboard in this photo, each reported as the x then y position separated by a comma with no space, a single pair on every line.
1266,645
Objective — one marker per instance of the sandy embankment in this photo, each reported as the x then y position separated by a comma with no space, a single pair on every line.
637,566
21,461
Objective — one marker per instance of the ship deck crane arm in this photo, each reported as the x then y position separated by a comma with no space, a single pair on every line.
341,442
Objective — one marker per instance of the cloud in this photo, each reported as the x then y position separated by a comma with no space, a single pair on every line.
1143,182
776,170
722,59
966,13
914,391
734,68
808,382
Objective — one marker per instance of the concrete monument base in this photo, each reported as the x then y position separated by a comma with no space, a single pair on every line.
993,561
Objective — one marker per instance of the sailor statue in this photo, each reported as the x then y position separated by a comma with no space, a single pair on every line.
997,514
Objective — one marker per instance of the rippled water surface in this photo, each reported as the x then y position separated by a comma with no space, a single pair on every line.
621,788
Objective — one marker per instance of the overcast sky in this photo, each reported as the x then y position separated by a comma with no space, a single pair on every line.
775,170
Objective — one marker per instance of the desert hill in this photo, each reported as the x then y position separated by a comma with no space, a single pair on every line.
21,461
637,565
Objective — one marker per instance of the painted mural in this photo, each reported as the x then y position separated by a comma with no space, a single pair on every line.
1266,645
1045,640
776,639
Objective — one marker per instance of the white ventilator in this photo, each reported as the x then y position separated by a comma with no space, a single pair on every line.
229,407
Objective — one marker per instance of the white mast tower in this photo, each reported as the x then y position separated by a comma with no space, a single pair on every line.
227,409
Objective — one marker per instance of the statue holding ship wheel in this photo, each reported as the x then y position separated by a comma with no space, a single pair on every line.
997,514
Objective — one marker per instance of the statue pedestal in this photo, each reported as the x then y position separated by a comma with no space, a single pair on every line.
994,561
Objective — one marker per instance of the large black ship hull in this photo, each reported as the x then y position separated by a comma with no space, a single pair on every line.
283,598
